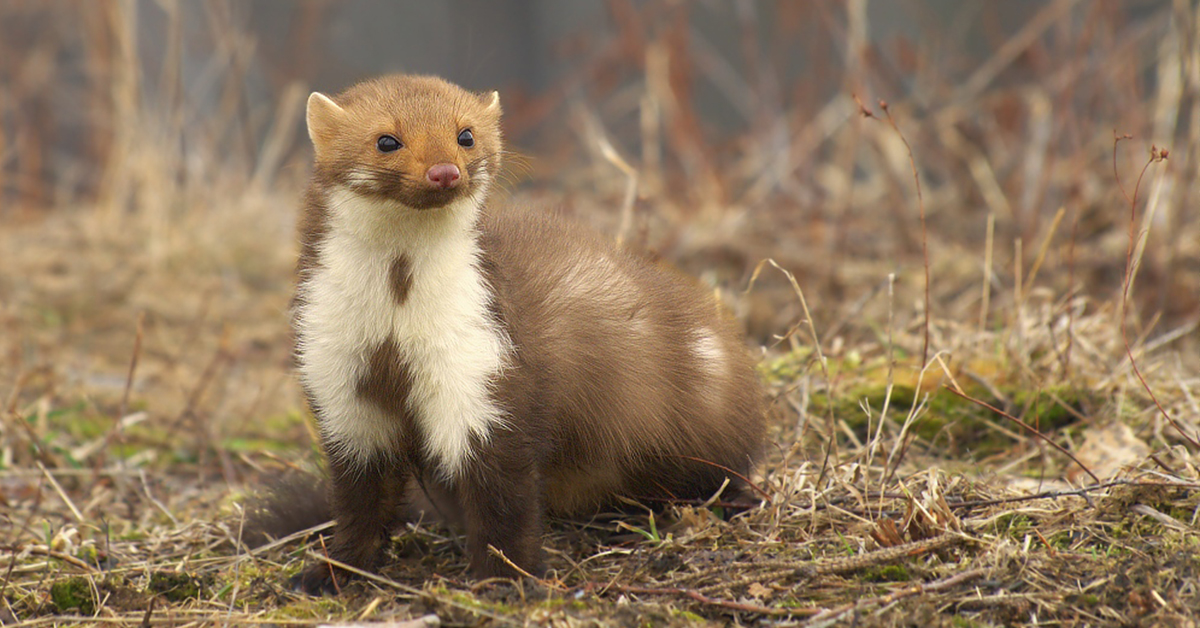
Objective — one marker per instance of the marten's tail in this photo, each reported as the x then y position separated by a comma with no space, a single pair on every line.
288,504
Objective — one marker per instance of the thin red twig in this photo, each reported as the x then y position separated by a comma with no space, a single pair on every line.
1024,426
760,491
912,162
1156,155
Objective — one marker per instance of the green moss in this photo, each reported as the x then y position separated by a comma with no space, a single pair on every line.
1013,526
689,616
73,595
176,587
470,601
244,444
1060,540
949,422
309,608
785,368
887,573
51,318
88,554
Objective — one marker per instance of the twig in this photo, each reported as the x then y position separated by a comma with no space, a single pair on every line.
1070,296
610,153
1025,426
704,599
772,575
779,569
237,567
1079,492
891,382
330,561
45,551
924,228
404,588
61,493
1041,254
133,362
1156,155
759,490
494,551
816,347
115,432
985,303
153,500
886,555
912,162
899,595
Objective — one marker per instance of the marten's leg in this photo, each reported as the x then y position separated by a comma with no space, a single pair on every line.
366,501
501,501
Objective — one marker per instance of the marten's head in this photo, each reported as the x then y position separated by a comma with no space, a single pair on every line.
416,140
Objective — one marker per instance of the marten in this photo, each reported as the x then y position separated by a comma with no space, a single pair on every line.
507,363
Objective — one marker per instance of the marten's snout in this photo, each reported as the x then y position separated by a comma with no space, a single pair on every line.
444,176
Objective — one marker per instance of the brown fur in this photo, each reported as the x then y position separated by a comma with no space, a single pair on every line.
623,371
401,281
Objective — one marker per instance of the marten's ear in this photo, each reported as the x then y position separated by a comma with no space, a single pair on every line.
323,117
491,102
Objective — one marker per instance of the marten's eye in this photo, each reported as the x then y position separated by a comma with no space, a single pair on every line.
388,143
466,139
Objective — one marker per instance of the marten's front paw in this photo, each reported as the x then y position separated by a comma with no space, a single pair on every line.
320,579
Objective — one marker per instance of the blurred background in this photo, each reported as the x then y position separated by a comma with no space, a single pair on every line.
152,154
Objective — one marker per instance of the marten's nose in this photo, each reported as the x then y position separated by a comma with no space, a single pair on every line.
443,175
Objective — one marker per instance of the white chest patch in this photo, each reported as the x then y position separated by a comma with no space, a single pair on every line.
446,337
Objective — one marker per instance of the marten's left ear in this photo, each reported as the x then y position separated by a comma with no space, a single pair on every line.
491,102
323,117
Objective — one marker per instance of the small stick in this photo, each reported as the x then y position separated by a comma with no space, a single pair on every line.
1025,426
123,409
891,381
816,347
1079,492
1070,296
1019,289
760,491
918,589
45,551
1041,255
61,493
610,153
133,362
924,229
153,500
987,272
237,566
1156,155
399,586
330,561
704,599
494,551
912,162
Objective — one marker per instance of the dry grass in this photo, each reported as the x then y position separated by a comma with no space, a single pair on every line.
144,364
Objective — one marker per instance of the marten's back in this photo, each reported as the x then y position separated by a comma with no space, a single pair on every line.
624,370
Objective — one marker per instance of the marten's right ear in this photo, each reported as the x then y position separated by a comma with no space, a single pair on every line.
323,117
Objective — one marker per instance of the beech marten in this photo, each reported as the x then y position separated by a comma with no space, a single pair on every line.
509,363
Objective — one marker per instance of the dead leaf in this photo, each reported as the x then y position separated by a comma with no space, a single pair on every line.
1107,449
